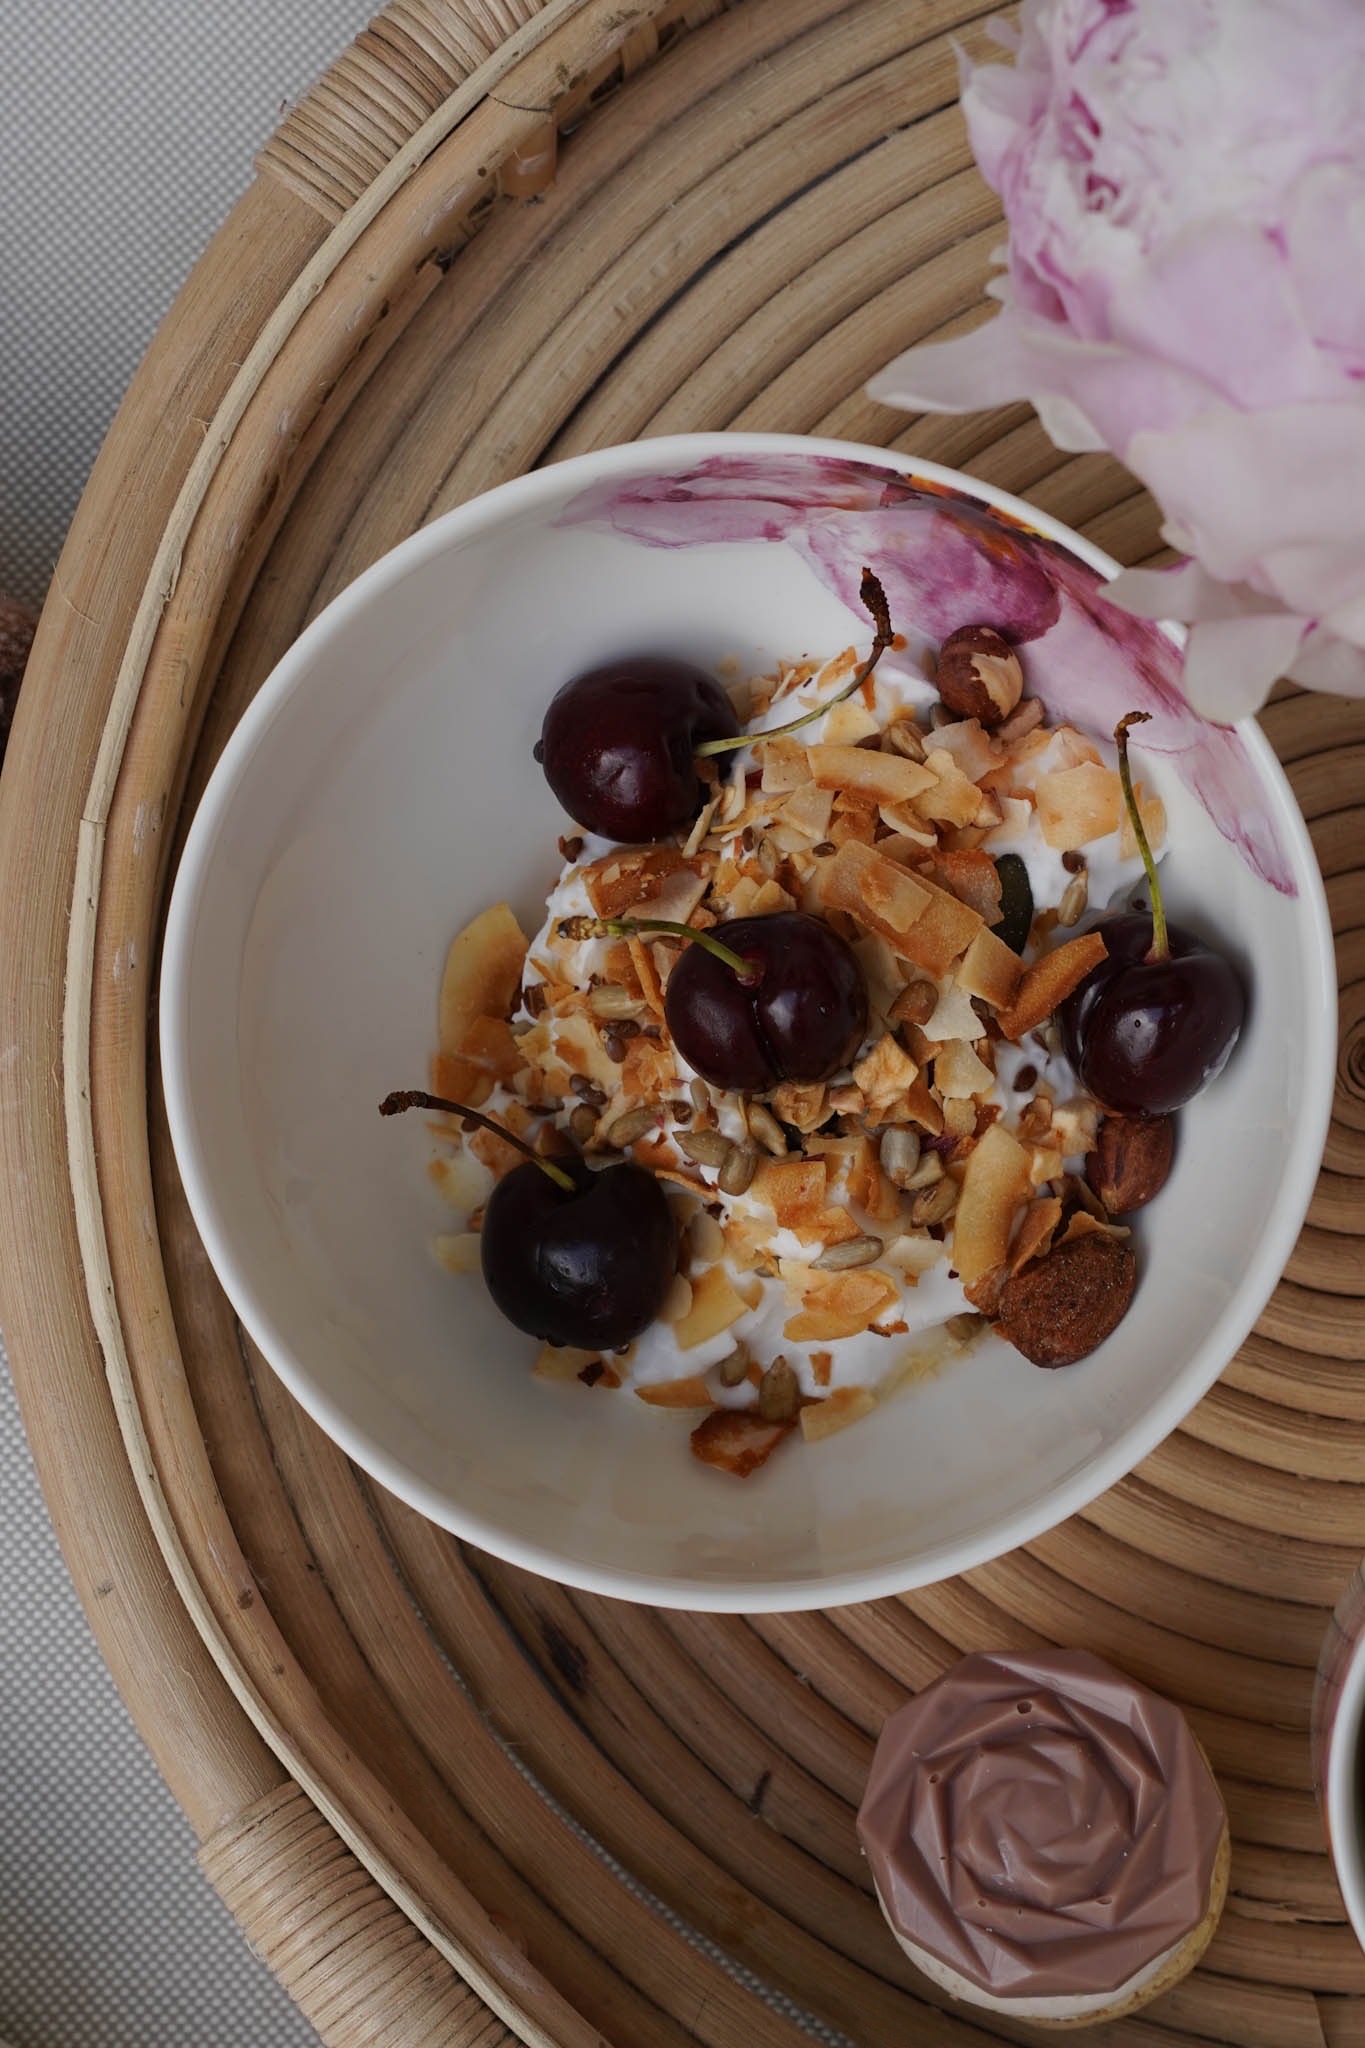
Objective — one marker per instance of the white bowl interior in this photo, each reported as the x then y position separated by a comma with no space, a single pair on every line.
380,792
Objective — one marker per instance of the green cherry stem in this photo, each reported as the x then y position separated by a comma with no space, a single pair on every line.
578,928
417,1098
874,599
1161,945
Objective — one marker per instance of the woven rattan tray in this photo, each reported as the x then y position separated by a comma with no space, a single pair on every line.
497,233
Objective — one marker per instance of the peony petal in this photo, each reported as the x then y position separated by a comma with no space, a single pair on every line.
1324,663
1232,664
1017,356
1218,300
1271,498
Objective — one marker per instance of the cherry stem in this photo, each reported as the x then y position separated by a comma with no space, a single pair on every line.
577,928
1161,944
874,599
417,1098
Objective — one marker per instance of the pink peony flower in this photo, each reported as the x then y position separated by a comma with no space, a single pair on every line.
1184,186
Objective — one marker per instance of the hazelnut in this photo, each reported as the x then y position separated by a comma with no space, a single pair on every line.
1060,1307
979,674
1131,1161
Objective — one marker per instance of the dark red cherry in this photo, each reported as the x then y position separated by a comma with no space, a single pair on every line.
799,1014
1144,1034
569,1255
619,744
588,1268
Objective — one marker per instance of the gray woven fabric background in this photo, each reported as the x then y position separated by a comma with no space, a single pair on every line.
127,129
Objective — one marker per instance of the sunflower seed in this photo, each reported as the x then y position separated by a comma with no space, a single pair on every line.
701,1096
905,737
587,1091
1021,722
779,1392
614,999
677,1301
626,1129
900,1154
1074,899
704,1148
733,1371
855,1251
583,1122
738,1170
764,1126
935,1204
929,1170
706,1238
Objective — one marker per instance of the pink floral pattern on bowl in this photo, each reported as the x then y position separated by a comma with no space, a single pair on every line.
947,559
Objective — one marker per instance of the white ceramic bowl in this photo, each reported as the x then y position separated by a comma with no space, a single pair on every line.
381,789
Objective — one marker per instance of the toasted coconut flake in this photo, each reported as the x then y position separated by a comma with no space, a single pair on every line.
737,1441
975,751
1036,1228
1083,1224
918,1106
821,1365
886,1072
784,765
835,1304
973,878
1153,814
804,1108
941,934
958,1071
461,1180
990,969
1049,982
886,778
954,799
847,723
460,1078
1076,805
821,1419
829,1228
460,1253
647,974
629,875
482,975
490,1044
1045,1164
1075,1126
715,1306
563,1362
952,1016
994,1183
881,896
807,811
691,1392
793,1188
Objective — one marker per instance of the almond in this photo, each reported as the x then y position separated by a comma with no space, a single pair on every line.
1060,1307
978,674
1131,1161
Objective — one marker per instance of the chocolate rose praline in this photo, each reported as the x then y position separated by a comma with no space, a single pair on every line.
1041,1826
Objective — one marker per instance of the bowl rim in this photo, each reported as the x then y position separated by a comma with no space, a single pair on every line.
1096,1474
